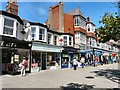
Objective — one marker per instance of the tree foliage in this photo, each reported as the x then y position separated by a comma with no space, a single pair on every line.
110,28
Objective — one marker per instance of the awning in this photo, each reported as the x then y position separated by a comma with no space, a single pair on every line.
46,47
95,52
82,51
105,54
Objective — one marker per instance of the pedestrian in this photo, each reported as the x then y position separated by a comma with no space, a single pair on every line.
95,61
23,66
75,63
82,61
39,64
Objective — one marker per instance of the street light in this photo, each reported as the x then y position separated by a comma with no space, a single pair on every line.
30,45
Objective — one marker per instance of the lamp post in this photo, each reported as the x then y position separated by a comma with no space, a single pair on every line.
30,45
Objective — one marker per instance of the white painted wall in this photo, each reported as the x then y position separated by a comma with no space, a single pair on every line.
36,38
92,28
80,38
1,24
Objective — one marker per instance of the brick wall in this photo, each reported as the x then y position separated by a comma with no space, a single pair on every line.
68,23
12,8
55,17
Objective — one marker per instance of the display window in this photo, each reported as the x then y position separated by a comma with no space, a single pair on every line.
53,59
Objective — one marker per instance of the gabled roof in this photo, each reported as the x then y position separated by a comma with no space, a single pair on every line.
75,12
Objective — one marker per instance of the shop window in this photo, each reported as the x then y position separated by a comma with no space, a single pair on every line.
36,59
65,40
41,34
8,26
33,32
53,59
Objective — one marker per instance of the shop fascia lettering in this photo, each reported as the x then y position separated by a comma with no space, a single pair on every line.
7,44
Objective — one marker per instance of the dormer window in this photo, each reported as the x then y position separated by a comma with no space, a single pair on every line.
76,21
8,26
88,29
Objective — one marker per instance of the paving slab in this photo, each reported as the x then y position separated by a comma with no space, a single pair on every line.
62,77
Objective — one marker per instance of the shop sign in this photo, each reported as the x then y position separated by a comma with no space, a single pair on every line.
7,44
61,40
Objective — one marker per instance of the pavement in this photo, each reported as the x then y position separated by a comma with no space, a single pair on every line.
105,76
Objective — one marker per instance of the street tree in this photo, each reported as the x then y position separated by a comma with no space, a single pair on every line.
110,28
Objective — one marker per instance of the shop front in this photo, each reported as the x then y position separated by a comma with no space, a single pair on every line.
68,54
13,51
45,56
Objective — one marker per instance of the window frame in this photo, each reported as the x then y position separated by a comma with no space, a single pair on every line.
77,21
65,40
49,39
70,41
41,35
55,39
8,27
33,33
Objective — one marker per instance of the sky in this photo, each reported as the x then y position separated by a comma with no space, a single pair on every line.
38,11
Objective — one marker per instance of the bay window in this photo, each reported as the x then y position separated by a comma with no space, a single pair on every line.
33,32
49,38
55,40
65,40
42,34
70,41
8,26
76,21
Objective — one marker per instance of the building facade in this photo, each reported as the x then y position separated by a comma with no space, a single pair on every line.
64,37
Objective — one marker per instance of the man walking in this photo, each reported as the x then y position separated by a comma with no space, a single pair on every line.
82,61
75,63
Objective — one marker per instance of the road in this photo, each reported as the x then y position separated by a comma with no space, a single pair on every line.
106,76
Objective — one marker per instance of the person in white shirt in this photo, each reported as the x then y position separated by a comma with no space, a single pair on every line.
75,63
82,61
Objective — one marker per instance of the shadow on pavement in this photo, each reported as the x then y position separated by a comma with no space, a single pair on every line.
111,74
72,86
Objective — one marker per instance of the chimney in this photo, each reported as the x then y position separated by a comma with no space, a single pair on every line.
56,17
88,19
12,7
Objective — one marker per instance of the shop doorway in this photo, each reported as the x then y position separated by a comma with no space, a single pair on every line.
44,55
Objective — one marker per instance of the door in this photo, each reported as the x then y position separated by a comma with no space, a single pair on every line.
44,61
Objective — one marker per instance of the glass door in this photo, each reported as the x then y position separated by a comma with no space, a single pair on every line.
44,57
